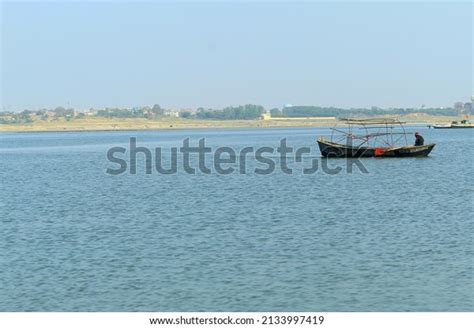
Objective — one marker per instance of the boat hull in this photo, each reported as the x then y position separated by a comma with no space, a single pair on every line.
330,149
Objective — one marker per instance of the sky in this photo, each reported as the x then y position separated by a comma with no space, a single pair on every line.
214,54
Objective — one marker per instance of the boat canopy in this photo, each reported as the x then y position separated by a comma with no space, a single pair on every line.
387,132
371,121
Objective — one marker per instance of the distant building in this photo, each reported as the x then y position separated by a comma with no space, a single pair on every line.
266,116
90,112
172,113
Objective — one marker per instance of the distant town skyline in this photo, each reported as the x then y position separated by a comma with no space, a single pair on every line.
206,54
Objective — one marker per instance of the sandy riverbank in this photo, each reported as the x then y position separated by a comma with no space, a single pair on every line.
133,124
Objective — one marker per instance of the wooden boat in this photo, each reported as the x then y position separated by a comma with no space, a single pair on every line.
331,149
383,143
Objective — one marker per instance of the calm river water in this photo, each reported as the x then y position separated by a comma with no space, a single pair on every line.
74,238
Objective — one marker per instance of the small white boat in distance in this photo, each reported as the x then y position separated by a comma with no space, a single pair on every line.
441,126
455,125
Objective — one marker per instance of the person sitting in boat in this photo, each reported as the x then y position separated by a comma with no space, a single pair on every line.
419,141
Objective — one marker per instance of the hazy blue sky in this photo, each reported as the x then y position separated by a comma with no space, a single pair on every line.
217,54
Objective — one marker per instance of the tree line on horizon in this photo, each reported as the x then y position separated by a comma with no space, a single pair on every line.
316,111
243,112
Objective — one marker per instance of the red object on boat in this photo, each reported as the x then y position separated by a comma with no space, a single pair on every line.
379,151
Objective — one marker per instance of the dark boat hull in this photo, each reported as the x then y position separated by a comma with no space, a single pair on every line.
330,149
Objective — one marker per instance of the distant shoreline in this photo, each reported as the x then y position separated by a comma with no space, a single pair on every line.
108,125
